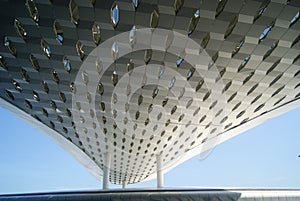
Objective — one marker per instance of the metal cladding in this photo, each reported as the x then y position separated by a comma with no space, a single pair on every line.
139,80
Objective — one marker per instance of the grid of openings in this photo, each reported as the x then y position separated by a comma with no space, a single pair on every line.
256,53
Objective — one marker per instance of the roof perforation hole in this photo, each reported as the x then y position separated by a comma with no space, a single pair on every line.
10,46
277,91
65,130
275,79
220,7
244,63
252,89
202,119
266,31
45,48
224,119
154,17
45,112
231,26
17,85
168,122
208,125
174,129
58,32
294,19
213,130
238,47
259,107
9,95
213,104
206,96
24,75
74,12
53,105
227,86
180,117
232,97
34,62
62,96
3,62
52,125
296,41
72,87
35,96
55,76
114,14
67,64
256,98
188,123
193,22
273,67
196,111
240,114
236,106
80,50
297,73
32,9
219,112
248,77
270,50
228,125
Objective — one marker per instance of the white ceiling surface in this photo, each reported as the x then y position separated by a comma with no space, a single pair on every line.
235,75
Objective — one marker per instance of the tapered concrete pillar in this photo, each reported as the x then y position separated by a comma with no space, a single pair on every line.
106,169
123,184
160,176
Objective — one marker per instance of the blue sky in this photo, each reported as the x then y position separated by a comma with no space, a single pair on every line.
265,156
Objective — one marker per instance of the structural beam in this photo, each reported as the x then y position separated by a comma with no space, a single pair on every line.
160,176
106,169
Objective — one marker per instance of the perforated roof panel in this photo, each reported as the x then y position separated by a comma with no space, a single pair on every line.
138,79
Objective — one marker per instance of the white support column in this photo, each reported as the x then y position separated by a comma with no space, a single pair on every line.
160,176
123,184
106,169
